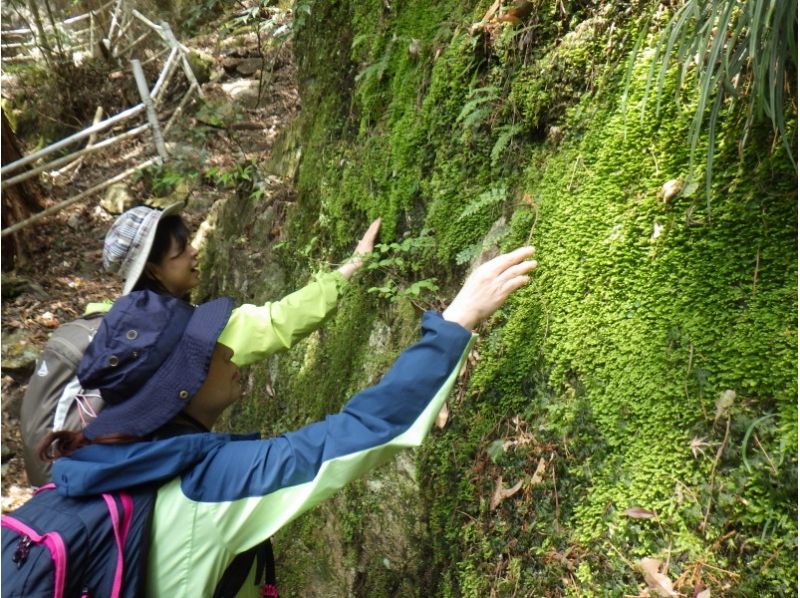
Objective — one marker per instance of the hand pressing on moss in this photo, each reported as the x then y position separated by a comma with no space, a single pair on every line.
364,247
487,288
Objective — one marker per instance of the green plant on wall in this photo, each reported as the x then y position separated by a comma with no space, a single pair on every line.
732,51
399,263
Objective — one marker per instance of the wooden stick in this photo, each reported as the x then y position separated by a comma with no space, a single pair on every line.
58,207
166,73
180,107
134,43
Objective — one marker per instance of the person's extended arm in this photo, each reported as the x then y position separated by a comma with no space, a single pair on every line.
255,331
271,482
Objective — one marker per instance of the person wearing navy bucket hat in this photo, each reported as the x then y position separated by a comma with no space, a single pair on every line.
149,357
150,250
157,360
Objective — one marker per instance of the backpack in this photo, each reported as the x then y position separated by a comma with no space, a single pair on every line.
91,547
54,399
55,547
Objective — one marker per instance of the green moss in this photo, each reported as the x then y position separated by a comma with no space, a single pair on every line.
604,373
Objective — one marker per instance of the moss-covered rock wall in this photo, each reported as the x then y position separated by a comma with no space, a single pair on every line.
642,388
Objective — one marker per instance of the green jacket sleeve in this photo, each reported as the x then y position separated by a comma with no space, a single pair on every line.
256,331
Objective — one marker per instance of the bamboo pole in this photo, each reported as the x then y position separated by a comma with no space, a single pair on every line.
126,114
79,154
134,43
180,107
187,69
155,57
147,22
114,18
58,207
144,93
165,75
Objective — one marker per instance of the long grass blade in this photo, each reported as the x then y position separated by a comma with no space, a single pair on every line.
678,27
712,144
631,64
709,78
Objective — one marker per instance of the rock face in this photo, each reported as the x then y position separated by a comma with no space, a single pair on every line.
19,357
595,395
117,199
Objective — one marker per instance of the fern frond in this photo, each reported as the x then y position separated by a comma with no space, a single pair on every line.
487,198
506,135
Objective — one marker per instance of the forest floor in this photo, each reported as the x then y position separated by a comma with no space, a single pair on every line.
63,272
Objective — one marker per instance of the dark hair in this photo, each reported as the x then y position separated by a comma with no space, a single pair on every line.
65,442
169,228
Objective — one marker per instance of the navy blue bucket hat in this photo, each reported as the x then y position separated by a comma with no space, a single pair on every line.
148,359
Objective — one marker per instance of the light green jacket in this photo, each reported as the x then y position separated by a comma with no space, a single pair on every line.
257,331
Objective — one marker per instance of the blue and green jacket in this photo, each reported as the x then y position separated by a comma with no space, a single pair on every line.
220,495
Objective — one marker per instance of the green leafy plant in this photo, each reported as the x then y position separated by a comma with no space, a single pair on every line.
507,133
741,50
480,105
399,262
490,197
374,72
165,179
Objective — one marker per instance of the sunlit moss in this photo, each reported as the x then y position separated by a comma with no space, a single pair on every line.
643,311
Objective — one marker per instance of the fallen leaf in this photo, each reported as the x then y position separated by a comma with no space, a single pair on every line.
639,513
697,445
538,475
704,594
48,320
654,579
670,189
724,403
441,419
501,492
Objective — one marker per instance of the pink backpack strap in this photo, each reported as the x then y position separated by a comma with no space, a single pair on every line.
49,486
121,527
53,542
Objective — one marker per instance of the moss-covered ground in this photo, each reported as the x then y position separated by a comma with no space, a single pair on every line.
643,387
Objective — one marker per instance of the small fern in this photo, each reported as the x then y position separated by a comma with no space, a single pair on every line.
507,133
492,239
375,71
487,198
475,110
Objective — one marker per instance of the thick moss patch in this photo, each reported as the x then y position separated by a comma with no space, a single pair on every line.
642,387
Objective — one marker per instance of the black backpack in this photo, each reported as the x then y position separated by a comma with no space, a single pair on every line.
90,547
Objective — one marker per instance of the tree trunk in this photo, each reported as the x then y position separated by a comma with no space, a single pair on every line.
18,203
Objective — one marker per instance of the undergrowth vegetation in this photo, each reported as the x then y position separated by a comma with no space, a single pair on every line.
637,400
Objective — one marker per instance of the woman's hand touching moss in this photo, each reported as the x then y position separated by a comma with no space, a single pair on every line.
364,247
487,288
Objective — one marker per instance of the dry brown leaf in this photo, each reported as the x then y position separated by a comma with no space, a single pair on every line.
538,475
444,415
704,594
670,189
639,513
724,403
501,493
654,579
48,320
